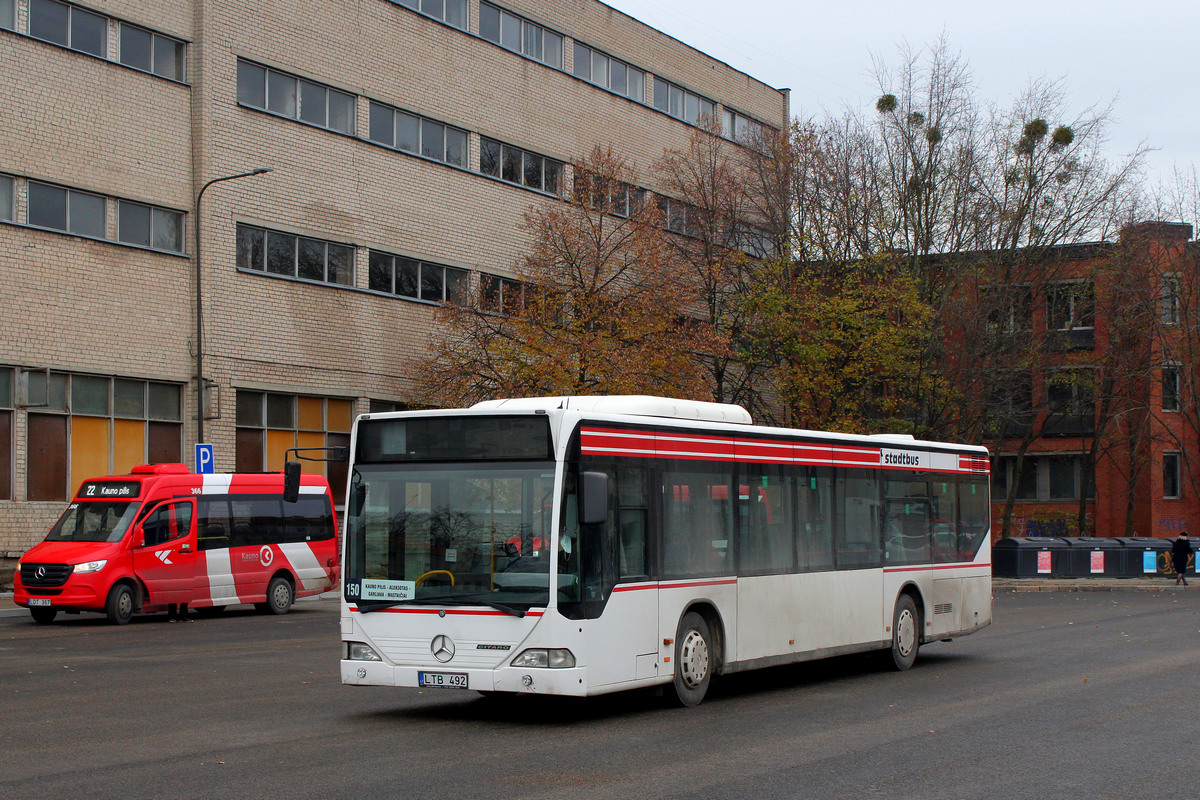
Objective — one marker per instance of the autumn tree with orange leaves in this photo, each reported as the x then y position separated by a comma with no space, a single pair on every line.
600,308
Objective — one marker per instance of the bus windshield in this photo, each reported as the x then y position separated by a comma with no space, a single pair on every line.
99,521
450,533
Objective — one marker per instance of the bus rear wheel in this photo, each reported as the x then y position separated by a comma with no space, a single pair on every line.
906,633
42,615
279,596
694,661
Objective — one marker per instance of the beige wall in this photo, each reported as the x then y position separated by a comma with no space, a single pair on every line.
74,304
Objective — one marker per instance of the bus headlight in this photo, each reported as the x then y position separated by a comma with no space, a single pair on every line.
554,658
90,566
357,651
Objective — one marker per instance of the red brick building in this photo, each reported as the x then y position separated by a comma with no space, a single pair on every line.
1090,387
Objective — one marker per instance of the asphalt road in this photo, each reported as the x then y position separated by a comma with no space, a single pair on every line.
1067,695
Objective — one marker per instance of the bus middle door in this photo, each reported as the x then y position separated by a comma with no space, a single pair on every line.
164,554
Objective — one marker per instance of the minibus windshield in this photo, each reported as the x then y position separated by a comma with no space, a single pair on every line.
100,521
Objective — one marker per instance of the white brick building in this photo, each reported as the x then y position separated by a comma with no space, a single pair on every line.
118,112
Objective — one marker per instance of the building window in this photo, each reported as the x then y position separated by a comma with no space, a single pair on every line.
1070,403
8,15
82,426
69,26
604,70
268,424
604,194
1171,482
500,295
678,217
411,133
6,198
1170,299
295,98
294,256
740,128
520,35
1071,315
6,433
519,166
1042,478
66,210
682,104
451,12
1170,388
418,280
149,226
152,52
1008,309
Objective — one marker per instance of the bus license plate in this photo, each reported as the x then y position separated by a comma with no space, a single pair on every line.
39,601
443,680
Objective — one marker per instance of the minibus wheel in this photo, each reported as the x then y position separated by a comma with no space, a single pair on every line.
279,596
119,607
694,661
43,615
906,633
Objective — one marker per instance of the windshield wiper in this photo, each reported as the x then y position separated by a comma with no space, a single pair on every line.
444,599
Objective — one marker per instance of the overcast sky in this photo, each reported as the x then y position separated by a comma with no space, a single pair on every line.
1141,54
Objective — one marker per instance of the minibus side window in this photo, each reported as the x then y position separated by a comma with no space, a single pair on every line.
214,522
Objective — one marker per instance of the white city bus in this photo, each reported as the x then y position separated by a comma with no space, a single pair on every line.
585,545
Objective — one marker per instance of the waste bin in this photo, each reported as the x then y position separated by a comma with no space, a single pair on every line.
1029,557
1088,556
1145,555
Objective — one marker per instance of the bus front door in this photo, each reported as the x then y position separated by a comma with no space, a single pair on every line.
164,553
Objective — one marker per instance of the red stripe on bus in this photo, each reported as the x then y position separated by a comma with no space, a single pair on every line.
693,447
725,582
935,566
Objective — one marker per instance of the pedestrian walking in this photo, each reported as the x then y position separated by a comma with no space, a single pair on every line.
1181,551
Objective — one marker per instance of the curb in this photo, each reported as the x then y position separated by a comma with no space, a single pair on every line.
1012,585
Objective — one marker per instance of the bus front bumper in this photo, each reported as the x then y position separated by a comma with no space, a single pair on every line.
520,680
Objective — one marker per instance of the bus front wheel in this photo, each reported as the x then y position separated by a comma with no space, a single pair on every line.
43,615
694,660
906,633
119,607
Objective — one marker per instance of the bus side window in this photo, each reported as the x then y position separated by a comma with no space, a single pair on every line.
212,523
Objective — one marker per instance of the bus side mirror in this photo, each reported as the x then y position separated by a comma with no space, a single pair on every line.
593,500
291,481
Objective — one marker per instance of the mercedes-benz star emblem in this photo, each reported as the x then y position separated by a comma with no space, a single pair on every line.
40,573
442,648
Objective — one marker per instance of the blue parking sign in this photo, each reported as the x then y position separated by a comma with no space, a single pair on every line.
204,459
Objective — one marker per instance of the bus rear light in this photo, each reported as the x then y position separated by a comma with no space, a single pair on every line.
357,651
555,658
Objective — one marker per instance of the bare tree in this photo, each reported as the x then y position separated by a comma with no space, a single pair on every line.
601,306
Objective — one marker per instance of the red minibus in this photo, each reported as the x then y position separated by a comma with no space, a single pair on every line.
162,537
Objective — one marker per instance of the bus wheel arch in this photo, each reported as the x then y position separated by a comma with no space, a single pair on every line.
908,621
281,593
697,656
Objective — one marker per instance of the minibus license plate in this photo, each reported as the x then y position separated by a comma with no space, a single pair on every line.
444,680
39,601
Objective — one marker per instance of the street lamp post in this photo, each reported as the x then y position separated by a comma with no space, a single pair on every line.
200,300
